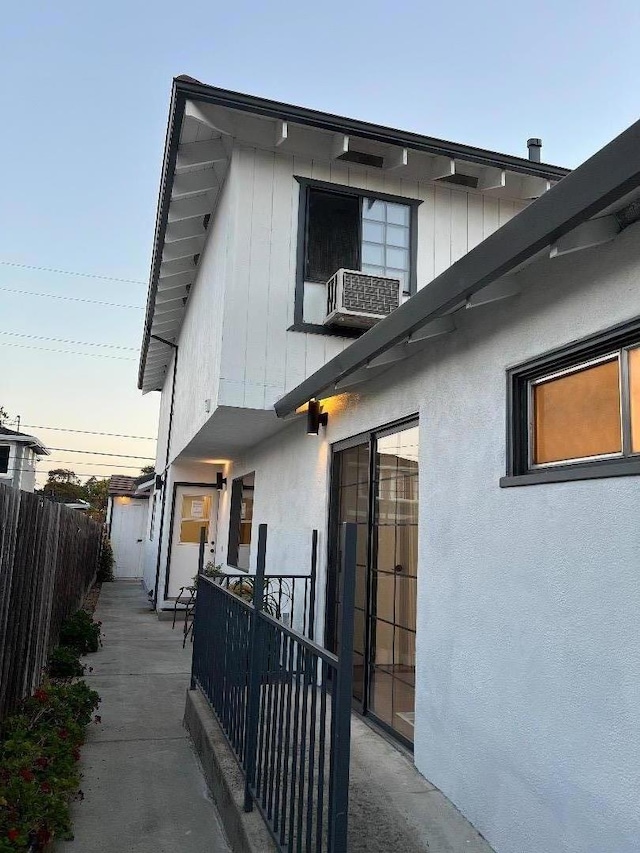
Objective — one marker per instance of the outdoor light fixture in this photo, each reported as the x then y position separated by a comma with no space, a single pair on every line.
220,480
158,481
315,417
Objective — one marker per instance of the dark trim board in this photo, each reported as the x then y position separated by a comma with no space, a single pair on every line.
627,467
167,572
603,180
317,329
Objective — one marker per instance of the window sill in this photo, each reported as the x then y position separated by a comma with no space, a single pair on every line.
317,329
564,474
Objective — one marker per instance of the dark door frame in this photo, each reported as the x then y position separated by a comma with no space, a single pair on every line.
369,438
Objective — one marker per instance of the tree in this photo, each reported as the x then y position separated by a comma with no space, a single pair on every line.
62,484
4,415
148,469
97,493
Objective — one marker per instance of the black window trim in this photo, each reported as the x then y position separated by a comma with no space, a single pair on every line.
299,324
235,512
519,378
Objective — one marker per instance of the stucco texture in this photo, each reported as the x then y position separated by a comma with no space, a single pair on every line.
528,649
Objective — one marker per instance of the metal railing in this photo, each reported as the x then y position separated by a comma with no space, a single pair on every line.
284,704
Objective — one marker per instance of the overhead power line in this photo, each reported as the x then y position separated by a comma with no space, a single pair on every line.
65,341
69,298
101,453
67,351
88,432
72,272
66,462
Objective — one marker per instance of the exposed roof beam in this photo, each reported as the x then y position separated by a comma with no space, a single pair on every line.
184,229
169,268
441,167
503,288
282,132
397,158
591,233
192,183
605,178
200,153
173,296
533,187
209,115
492,179
182,248
339,146
172,281
188,207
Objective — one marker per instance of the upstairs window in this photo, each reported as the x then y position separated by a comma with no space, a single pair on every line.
353,229
356,233
4,459
576,413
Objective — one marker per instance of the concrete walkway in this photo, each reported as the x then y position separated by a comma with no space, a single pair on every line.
144,792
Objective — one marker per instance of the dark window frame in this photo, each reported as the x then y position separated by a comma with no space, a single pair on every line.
235,514
519,471
3,448
307,184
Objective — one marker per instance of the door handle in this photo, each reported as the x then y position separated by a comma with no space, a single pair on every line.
138,540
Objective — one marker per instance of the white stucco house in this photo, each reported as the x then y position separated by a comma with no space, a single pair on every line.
127,522
19,454
484,433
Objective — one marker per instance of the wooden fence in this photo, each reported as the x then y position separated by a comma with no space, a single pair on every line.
48,561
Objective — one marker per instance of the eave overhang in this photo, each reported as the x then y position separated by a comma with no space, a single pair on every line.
189,187
599,187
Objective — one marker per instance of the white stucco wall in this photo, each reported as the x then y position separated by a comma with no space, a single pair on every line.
528,693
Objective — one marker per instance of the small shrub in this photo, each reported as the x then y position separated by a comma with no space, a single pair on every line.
64,663
105,563
80,633
38,757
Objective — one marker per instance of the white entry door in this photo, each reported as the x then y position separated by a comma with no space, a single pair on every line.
127,536
195,509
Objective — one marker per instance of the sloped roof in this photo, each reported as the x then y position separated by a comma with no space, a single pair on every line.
24,438
120,485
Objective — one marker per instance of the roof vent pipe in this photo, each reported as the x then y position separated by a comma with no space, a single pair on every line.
535,147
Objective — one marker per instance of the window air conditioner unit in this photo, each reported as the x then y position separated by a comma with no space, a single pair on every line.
358,300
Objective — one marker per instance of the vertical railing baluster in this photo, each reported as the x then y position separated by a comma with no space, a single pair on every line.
253,703
312,594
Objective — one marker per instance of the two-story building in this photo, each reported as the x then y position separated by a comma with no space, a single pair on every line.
495,627
19,453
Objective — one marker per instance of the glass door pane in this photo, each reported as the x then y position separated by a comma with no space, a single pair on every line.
394,581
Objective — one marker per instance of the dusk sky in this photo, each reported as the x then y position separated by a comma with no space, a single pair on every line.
85,95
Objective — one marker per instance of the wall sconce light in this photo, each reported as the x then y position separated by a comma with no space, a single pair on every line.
316,417
158,482
220,480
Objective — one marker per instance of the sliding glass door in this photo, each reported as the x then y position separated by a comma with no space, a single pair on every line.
375,485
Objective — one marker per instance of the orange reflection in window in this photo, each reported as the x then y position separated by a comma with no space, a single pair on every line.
578,415
634,394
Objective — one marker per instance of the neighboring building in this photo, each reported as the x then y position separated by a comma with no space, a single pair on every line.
19,454
485,435
127,522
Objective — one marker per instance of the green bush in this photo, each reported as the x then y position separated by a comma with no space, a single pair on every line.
64,663
38,757
105,563
80,633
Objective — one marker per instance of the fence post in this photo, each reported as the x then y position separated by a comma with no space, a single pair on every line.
341,728
196,650
255,675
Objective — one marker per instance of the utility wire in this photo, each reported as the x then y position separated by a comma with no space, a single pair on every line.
67,351
72,272
65,341
88,432
65,462
69,298
101,453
